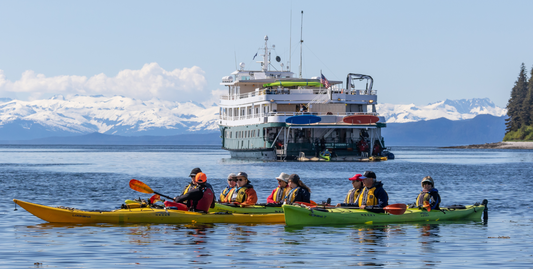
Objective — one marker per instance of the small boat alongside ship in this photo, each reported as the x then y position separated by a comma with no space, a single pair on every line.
269,114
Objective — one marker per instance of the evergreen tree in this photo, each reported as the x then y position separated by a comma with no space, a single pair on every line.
527,107
515,105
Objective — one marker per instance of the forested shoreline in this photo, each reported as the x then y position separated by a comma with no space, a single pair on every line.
519,125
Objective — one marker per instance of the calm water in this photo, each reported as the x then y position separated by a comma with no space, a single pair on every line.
92,177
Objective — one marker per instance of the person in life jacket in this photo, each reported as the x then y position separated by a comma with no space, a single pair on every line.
376,151
192,185
228,191
200,198
373,196
278,194
244,194
429,197
298,192
353,194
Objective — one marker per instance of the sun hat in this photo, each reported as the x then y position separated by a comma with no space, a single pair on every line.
356,177
195,171
368,174
427,179
284,177
243,174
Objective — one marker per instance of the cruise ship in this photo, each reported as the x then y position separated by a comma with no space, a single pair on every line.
269,114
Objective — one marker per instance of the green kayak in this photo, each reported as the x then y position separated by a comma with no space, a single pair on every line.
304,216
314,83
254,209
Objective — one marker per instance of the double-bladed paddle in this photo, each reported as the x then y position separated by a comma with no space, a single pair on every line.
394,209
139,186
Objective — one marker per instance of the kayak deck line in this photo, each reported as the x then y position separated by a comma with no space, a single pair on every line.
143,215
252,209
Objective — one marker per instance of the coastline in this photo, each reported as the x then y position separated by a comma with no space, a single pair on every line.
497,145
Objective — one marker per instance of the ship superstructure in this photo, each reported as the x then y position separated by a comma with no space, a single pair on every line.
271,115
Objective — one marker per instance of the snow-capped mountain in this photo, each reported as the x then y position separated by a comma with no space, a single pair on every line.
110,115
118,115
450,109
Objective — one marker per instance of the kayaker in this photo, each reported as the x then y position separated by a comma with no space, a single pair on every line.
353,194
373,196
429,197
228,191
200,198
191,184
277,195
244,194
298,192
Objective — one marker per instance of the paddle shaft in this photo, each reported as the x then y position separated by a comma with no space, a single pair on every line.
395,209
168,197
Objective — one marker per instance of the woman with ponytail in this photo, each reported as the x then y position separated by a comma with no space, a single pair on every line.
299,192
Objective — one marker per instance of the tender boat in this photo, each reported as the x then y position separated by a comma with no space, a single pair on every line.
142,215
305,216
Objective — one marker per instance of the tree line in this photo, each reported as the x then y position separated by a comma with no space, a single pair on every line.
519,124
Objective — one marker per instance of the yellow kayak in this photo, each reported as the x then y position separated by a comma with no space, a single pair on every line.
142,215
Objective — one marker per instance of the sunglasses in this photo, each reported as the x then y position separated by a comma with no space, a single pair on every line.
241,179
232,179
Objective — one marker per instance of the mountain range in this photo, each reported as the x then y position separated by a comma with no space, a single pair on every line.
117,115
449,109
126,120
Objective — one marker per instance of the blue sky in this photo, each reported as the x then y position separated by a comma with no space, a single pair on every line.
417,51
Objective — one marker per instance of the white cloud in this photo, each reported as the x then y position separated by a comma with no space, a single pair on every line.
214,98
151,81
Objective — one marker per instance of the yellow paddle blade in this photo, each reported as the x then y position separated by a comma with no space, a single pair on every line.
140,186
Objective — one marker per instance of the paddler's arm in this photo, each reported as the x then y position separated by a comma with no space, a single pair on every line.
251,197
194,194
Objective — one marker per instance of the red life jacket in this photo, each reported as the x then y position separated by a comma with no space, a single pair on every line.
204,203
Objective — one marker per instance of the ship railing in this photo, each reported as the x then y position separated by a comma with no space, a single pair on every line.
289,114
335,90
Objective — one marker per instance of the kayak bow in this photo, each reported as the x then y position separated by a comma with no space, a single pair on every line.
142,215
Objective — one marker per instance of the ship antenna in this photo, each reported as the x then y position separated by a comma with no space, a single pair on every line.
265,57
301,42
290,43
236,68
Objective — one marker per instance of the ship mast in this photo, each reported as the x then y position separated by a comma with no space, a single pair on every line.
301,42
265,57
